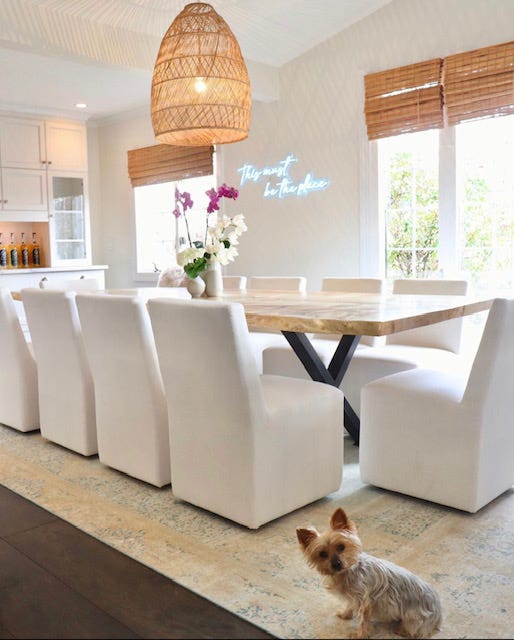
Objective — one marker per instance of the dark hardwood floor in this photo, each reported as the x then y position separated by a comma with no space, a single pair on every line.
58,582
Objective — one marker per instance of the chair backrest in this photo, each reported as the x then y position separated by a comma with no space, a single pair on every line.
489,401
489,387
352,285
121,352
277,283
76,284
19,406
212,387
66,393
234,283
442,335
129,394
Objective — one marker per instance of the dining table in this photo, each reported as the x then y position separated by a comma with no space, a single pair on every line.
349,316
297,315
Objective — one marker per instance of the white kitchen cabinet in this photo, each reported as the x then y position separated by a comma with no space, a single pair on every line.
22,143
43,179
17,279
66,146
23,190
29,143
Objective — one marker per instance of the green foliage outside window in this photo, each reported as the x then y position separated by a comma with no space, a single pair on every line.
412,228
412,219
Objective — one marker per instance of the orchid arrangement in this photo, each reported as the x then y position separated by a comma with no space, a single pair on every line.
221,232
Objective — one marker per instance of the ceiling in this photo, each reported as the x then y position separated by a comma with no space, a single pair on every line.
55,53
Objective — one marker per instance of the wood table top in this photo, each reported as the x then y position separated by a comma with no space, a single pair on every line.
351,313
333,312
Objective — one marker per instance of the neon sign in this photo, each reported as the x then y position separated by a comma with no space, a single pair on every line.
279,183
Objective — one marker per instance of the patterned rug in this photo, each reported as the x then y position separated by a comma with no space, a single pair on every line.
261,575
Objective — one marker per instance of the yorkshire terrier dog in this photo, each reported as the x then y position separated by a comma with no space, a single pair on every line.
371,588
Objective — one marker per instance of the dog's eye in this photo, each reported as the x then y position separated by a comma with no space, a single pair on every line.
323,554
340,548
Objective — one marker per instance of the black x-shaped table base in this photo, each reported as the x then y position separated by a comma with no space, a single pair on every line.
334,374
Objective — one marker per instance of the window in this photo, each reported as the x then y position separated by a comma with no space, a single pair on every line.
158,233
154,174
409,176
477,200
444,132
485,201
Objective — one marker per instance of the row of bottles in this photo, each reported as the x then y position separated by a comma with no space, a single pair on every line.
23,255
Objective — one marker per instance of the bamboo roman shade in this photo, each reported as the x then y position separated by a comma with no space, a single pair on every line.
404,100
439,92
479,83
166,163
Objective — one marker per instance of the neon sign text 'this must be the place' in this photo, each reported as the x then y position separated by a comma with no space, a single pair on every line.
279,183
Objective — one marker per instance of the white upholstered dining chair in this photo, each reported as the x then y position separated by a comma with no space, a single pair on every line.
234,283
247,447
277,283
436,346
131,412
65,384
441,436
19,406
281,360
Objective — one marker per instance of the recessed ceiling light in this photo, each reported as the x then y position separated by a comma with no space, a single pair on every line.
81,105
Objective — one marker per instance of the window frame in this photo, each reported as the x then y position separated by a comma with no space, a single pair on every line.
372,209
373,258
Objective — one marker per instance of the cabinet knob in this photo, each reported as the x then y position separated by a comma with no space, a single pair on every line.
43,161
49,162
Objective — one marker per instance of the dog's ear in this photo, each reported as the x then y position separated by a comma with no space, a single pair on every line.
306,536
340,521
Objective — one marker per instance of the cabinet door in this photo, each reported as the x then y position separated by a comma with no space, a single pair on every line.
22,143
69,220
24,190
66,146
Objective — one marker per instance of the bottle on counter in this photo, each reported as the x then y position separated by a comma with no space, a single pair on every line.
24,252
3,253
12,253
35,254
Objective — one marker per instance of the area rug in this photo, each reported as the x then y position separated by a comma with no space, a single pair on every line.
260,575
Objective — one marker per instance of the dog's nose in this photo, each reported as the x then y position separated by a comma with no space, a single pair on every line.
336,563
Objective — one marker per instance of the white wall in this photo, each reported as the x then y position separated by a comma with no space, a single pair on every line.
319,118
113,222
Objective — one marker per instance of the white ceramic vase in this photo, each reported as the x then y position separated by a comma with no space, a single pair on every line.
213,280
195,286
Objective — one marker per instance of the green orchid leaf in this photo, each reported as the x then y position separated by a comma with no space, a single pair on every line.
195,268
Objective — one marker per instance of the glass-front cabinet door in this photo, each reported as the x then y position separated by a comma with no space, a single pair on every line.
69,220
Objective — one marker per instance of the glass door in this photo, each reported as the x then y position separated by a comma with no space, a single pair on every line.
69,224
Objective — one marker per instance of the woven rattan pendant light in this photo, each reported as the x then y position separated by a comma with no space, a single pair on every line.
200,86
